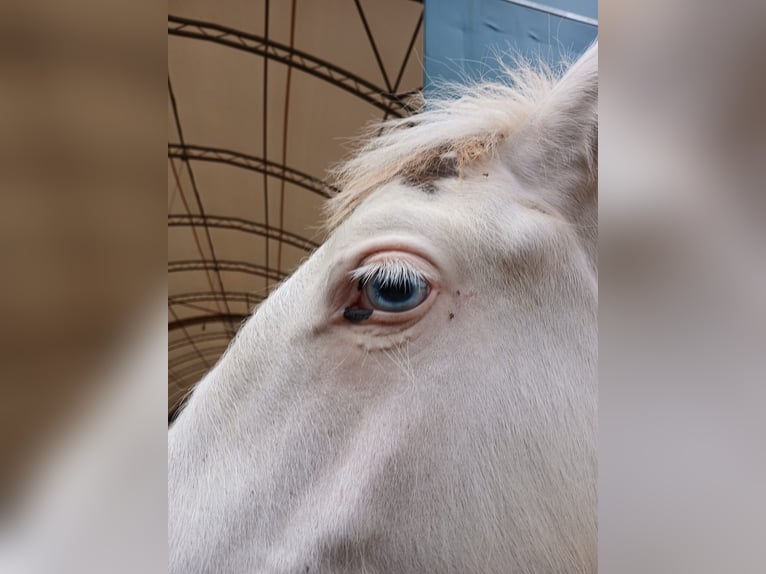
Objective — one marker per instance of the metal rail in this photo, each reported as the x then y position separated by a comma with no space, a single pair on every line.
222,265
205,319
253,163
239,224
267,48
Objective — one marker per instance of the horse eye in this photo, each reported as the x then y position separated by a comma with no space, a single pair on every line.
396,296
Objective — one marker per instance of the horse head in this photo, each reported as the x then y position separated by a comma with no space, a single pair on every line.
420,395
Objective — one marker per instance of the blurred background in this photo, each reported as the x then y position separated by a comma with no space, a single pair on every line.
83,234
82,224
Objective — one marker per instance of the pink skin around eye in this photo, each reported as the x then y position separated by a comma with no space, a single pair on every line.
344,292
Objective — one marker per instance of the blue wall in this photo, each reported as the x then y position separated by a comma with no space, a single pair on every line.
463,37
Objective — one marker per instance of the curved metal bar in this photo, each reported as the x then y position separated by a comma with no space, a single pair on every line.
202,296
303,61
205,319
222,265
238,224
209,352
253,163
193,373
202,338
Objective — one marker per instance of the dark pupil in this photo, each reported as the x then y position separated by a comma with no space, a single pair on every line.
395,293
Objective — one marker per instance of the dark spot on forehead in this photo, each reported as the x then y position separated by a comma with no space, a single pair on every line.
425,175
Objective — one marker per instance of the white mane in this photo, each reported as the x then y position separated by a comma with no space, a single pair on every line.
464,122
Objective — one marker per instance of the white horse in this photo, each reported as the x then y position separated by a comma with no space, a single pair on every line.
420,396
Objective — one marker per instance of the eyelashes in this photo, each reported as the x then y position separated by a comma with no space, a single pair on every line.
389,273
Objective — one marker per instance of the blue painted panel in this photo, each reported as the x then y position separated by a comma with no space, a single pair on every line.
464,37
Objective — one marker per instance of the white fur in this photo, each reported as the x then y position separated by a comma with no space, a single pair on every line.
462,443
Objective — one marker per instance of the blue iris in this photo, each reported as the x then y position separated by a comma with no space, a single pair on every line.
396,296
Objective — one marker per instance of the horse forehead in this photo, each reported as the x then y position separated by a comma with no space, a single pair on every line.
471,198
416,195
396,203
